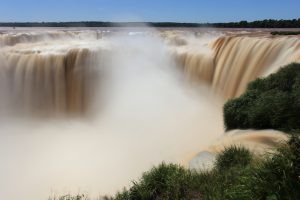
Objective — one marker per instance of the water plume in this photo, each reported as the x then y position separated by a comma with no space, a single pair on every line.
143,112
89,111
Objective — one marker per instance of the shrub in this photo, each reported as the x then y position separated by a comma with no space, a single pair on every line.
233,156
167,181
278,176
268,103
236,176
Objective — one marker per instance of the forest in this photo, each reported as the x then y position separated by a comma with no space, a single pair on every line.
267,23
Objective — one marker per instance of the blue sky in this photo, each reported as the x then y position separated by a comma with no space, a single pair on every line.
148,10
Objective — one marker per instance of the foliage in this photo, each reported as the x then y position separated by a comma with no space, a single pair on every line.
285,33
234,177
163,182
233,156
267,23
272,177
279,177
268,103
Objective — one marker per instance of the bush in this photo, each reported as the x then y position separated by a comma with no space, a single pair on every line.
279,177
268,103
236,176
167,181
233,157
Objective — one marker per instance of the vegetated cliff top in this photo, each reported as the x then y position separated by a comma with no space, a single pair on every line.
267,23
268,103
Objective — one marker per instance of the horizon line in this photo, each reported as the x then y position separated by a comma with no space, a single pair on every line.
119,22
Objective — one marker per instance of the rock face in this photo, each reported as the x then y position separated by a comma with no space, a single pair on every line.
203,161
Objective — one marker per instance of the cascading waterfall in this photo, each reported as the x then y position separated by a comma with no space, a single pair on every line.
130,103
57,82
44,81
11,38
48,83
237,60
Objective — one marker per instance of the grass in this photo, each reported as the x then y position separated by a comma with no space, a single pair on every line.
232,157
167,181
236,176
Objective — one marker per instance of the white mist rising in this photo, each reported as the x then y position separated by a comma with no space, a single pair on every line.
88,111
144,113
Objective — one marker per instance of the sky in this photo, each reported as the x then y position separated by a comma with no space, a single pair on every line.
147,10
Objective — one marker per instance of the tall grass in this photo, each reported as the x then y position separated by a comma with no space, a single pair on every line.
236,176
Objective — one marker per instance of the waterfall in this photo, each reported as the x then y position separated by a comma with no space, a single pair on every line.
50,74
89,111
237,60
43,78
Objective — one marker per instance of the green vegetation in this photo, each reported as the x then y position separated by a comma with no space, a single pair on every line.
233,156
268,103
279,176
268,23
236,176
162,182
285,33
271,102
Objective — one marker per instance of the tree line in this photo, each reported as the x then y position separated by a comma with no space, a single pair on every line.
267,23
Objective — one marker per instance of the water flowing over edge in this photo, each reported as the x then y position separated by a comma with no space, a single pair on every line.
138,98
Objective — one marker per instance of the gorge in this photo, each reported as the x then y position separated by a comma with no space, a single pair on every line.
114,102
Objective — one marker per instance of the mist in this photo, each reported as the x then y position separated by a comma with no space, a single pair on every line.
143,112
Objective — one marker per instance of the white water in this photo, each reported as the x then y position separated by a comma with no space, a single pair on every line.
144,113
88,112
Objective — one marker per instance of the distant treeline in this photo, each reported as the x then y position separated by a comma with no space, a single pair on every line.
285,33
268,23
